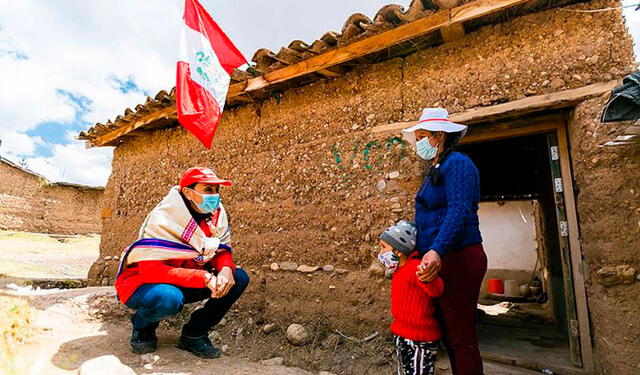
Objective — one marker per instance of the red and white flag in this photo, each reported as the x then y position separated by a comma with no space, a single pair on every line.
207,58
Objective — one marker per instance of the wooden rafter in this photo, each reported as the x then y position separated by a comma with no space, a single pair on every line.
332,72
452,32
105,140
376,43
556,100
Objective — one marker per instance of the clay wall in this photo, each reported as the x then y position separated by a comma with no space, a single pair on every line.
309,175
30,203
608,202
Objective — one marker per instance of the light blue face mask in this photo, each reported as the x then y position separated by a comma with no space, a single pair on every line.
425,150
210,203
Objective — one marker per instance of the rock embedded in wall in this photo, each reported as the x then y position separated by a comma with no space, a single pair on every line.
538,53
610,276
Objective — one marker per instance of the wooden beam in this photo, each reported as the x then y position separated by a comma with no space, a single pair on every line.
515,108
496,135
166,113
332,72
452,32
376,43
497,354
575,247
240,99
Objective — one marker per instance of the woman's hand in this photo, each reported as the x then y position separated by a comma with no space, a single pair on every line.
225,282
429,267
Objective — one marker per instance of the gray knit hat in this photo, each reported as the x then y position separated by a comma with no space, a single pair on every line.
402,236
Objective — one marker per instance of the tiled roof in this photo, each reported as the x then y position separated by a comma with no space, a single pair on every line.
357,27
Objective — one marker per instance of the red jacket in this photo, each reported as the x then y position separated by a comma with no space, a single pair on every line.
412,304
179,272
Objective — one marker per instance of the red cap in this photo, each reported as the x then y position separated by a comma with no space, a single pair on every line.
203,175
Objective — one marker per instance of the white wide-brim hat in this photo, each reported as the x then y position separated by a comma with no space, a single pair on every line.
433,120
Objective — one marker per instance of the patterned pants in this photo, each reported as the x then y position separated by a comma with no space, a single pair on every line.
416,358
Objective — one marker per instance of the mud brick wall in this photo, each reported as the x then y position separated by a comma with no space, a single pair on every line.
30,203
306,166
608,202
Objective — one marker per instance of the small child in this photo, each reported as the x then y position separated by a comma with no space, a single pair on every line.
414,325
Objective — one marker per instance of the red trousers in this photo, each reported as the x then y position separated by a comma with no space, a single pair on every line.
462,272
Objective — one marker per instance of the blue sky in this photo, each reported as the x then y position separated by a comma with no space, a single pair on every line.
67,64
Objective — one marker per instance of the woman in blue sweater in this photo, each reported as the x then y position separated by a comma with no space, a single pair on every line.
446,216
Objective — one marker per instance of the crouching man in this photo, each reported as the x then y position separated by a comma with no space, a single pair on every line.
182,255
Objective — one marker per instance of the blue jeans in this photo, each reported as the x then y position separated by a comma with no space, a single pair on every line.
155,302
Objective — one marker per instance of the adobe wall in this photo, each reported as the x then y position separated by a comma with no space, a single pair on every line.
31,204
608,201
306,166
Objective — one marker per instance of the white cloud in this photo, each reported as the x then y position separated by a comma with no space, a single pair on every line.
74,163
78,46
17,143
28,95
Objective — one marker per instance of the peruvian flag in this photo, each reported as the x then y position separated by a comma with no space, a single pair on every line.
207,58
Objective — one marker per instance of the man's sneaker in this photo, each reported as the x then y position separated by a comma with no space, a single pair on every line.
200,346
144,340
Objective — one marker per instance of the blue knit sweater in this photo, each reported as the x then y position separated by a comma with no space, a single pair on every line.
447,215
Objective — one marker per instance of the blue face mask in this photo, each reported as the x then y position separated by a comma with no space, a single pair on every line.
210,203
425,150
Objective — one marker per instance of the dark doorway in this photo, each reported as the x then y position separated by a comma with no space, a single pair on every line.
516,179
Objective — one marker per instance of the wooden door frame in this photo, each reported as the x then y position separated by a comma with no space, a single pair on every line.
558,126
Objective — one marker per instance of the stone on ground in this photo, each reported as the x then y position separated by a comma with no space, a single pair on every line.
297,334
270,327
105,365
376,269
289,266
307,269
276,361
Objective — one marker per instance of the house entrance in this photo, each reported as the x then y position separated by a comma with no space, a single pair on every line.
528,312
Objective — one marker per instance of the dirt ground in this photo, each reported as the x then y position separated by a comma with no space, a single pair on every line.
35,255
70,327
65,335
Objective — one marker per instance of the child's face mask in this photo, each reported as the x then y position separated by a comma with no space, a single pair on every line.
389,259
